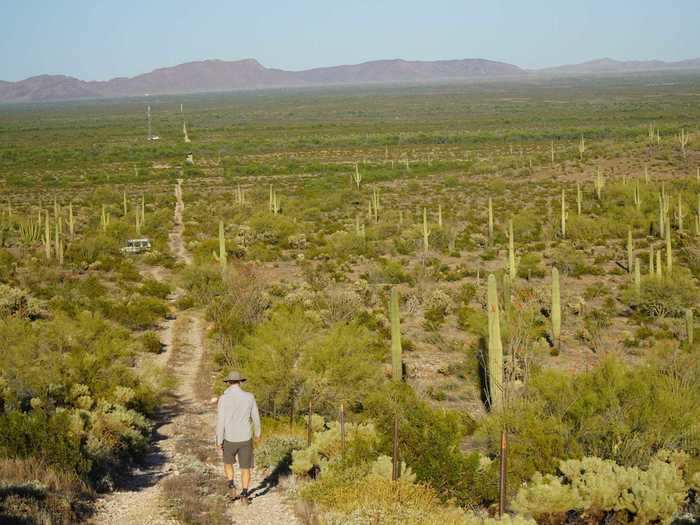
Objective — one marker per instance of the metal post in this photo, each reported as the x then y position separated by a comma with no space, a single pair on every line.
308,427
503,472
342,429
291,416
395,473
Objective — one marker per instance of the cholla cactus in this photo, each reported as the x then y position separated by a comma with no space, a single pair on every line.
495,348
394,314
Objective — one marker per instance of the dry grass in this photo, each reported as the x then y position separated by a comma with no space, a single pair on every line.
31,492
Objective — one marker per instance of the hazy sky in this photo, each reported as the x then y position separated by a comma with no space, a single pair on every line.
100,39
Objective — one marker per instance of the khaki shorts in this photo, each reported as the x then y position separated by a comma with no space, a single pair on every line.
242,449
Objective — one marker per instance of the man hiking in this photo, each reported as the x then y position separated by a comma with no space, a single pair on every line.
237,413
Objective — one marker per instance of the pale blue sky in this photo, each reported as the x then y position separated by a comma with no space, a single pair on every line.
100,39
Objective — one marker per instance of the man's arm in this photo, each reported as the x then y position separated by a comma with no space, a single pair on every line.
255,417
220,422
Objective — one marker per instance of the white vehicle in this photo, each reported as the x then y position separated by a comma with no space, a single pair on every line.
137,246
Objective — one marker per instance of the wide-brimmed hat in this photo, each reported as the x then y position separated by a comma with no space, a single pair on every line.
233,377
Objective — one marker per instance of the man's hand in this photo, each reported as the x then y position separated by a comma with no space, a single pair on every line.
258,440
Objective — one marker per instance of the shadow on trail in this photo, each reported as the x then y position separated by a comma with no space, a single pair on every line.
283,469
150,468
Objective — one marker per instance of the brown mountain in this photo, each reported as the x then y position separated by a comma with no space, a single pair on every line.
220,75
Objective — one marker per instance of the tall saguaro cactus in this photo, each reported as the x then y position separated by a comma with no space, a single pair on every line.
221,258
637,278
630,250
511,251
556,308
490,220
495,348
426,232
689,325
669,253
394,314
564,214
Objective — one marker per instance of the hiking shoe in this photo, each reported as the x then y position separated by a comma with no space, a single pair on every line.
232,491
245,497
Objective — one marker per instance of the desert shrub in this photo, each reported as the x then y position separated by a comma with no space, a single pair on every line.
155,288
666,296
203,283
277,450
47,437
34,492
151,342
138,312
429,441
341,245
389,272
614,412
340,363
601,489
572,262
241,305
530,265
361,446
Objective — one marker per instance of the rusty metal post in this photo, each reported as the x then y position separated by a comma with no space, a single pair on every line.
395,474
291,416
308,427
503,473
342,429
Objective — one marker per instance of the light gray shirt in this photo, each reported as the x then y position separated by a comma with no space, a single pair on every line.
237,416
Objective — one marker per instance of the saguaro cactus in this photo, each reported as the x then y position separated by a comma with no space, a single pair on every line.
495,348
357,176
556,308
47,237
564,214
221,258
71,222
630,249
669,253
426,232
394,314
490,220
689,325
581,147
637,278
511,251
579,198
599,182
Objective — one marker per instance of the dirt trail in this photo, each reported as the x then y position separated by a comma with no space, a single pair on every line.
140,501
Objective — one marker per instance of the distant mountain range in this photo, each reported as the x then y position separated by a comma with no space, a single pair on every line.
220,75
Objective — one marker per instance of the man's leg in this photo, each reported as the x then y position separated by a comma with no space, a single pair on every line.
245,479
228,470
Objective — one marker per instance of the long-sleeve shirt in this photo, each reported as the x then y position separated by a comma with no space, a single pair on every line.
237,413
